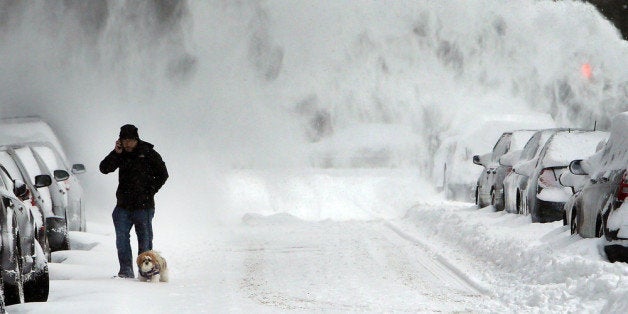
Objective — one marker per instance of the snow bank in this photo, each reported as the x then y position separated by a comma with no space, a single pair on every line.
556,271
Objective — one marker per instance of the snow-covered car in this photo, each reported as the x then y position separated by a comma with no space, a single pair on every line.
515,183
50,200
583,216
451,170
490,187
600,208
34,197
544,197
50,161
575,179
24,266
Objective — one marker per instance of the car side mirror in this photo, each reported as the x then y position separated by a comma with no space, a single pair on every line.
525,168
42,180
575,167
78,168
19,188
61,175
509,158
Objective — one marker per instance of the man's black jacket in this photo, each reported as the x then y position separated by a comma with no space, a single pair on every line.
142,173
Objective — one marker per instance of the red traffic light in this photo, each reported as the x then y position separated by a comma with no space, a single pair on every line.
586,70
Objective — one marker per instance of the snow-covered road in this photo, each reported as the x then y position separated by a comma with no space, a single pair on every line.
347,266
395,256
272,264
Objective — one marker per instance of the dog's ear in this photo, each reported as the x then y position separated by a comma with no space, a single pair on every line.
152,256
139,259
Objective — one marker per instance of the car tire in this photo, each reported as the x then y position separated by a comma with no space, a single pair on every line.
574,222
2,304
493,198
58,234
14,291
598,226
498,203
518,203
37,288
616,253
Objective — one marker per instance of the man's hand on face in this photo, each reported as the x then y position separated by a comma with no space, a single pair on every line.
118,148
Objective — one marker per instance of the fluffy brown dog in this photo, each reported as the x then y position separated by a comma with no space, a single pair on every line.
152,267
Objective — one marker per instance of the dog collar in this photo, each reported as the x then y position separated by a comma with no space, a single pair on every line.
151,273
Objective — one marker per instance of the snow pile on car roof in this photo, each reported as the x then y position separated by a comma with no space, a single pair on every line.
28,129
520,138
567,146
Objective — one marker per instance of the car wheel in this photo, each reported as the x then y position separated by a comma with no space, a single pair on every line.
493,198
616,253
574,221
598,226
518,203
2,304
14,291
57,232
37,288
497,200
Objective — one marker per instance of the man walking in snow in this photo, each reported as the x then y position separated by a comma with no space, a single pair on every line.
142,173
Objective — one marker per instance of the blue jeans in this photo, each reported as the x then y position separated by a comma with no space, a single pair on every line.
123,220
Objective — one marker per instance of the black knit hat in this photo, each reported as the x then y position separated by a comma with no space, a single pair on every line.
129,131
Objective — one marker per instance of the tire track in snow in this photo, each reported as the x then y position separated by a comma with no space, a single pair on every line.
348,266
447,272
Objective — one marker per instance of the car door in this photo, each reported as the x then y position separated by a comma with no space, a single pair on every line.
595,195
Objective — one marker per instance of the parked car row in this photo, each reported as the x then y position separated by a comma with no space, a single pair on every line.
574,175
525,180
41,202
